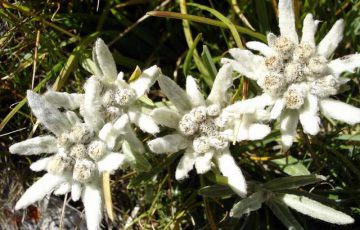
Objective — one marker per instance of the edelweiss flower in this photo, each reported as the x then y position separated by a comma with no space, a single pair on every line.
298,77
80,154
202,129
108,96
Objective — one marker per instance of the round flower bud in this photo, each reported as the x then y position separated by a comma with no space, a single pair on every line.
124,97
274,63
80,133
294,96
213,110
201,145
187,125
208,127
294,72
59,164
97,150
284,47
199,114
317,65
218,142
303,52
63,141
325,86
108,98
84,170
78,151
111,113
274,84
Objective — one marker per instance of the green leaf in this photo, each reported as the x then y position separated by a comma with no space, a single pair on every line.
189,55
146,176
224,19
282,212
216,191
208,62
291,166
347,137
141,163
292,182
248,204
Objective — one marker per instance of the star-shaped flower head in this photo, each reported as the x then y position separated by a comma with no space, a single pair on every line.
200,127
79,153
108,95
297,76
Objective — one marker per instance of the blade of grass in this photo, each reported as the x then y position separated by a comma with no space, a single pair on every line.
190,54
189,39
208,21
107,195
224,19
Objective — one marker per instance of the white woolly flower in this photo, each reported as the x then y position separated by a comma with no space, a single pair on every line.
108,95
202,128
298,74
81,152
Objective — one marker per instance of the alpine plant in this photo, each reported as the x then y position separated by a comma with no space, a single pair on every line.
78,154
298,76
202,128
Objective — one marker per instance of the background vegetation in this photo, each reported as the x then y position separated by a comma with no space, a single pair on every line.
43,45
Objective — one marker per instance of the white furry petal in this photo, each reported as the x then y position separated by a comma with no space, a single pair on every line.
105,61
176,95
92,104
332,39
261,47
288,124
229,168
308,116
277,109
72,117
47,114
168,144
147,78
166,117
40,164
143,121
309,30
196,98
42,187
203,162
76,191
249,105
133,140
222,83
287,20
111,162
316,210
340,111
258,131
65,100
63,189
186,164
247,63
343,64
92,199
34,146
110,132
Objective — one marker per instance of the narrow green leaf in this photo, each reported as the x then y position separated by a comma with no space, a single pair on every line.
194,18
292,182
189,55
208,62
262,15
216,191
282,212
347,137
248,204
291,166
146,176
224,19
